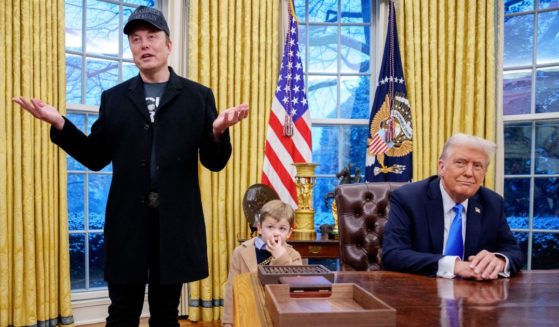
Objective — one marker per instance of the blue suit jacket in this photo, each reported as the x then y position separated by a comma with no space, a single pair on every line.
413,235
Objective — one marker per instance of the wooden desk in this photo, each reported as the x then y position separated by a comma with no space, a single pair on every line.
317,247
527,299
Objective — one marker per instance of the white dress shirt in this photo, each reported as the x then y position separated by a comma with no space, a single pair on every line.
446,263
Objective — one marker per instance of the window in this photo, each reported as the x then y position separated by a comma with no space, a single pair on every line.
335,39
531,128
97,58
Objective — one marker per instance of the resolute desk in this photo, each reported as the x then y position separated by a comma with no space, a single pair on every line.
527,299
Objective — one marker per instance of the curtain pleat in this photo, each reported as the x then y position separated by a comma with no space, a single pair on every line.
233,48
448,49
34,257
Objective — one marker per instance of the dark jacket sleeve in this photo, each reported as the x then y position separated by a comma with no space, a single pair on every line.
507,244
214,154
91,151
399,252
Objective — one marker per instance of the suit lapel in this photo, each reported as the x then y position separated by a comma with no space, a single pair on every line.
434,212
473,226
137,96
171,91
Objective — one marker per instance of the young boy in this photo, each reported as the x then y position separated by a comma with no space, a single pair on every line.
268,248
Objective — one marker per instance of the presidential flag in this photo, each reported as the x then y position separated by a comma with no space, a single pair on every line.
288,139
389,146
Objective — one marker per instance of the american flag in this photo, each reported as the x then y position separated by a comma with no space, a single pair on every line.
288,139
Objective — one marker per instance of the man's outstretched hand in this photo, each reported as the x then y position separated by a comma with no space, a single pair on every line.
41,110
229,117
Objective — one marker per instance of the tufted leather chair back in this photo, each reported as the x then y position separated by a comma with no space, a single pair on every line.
362,214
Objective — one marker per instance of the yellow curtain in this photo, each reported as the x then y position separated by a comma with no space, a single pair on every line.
449,54
233,48
34,258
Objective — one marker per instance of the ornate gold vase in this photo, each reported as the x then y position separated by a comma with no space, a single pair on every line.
304,214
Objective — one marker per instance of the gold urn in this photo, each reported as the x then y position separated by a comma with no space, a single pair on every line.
305,179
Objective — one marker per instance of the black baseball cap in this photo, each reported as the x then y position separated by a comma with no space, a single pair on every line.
148,15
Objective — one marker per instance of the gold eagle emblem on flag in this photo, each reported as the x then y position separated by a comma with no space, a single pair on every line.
391,134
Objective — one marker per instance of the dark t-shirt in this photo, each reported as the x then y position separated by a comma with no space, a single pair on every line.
154,93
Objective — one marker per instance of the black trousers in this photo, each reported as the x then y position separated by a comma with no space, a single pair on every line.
127,299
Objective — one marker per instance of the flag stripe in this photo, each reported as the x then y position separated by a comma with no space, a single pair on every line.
279,172
274,179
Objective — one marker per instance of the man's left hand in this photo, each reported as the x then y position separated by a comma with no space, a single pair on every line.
229,117
487,265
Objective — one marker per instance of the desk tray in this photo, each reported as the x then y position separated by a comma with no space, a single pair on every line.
348,304
271,274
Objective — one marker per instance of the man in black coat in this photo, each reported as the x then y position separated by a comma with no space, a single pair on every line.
153,128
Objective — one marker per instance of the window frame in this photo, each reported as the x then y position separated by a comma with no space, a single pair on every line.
379,16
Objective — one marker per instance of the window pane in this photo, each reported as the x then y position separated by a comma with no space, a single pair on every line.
519,36
129,70
544,4
322,96
323,11
548,40
517,202
355,49
323,49
514,6
126,53
73,79
547,148
299,6
547,90
102,32
101,75
518,144
74,19
545,251
354,97
517,92
546,203
96,257
98,188
325,143
77,261
323,214
353,147
522,239
356,11
75,193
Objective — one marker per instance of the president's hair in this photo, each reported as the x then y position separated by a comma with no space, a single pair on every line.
461,140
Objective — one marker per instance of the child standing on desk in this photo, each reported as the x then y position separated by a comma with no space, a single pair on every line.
268,248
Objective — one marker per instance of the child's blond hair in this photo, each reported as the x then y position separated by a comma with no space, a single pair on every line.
277,209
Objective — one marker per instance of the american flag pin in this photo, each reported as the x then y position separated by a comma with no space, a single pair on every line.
478,210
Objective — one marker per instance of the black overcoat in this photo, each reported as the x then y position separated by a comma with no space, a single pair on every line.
123,135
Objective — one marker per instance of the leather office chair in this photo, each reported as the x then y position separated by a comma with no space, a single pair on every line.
362,214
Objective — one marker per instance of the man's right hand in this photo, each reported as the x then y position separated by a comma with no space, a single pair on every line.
463,269
42,111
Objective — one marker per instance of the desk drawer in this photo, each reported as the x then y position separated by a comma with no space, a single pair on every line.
317,251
